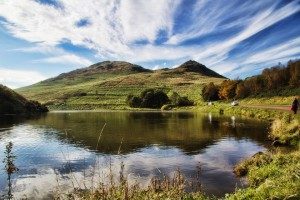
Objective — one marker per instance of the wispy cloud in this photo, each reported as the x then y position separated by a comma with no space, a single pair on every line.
17,78
66,59
289,49
55,55
114,28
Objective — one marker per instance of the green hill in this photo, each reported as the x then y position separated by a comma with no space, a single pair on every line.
106,85
14,103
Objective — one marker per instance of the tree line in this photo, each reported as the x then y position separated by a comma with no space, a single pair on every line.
273,78
156,98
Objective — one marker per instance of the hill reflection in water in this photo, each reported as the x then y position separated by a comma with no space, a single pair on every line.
150,143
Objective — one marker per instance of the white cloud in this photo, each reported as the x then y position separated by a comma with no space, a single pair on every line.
68,58
55,55
281,51
17,78
268,57
114,26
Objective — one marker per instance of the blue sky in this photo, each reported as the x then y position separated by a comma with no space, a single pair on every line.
40,39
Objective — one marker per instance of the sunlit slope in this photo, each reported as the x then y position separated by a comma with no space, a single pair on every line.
107,84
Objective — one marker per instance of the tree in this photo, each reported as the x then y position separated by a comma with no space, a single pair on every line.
241,91
294,72
133,101
227,89
210,92
152,98
149,98
255,84
177,100
276,77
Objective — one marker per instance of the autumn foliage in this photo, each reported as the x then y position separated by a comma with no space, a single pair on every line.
270,79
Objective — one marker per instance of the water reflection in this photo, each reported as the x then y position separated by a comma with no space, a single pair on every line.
152,144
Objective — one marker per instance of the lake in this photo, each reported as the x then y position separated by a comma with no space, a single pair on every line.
60,150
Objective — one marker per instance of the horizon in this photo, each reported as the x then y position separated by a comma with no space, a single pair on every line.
43,38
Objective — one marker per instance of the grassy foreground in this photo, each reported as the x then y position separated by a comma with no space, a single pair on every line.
271,176
274,174
166,188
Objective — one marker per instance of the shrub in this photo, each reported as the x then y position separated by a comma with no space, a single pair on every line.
133,101
210,92
150,98
285,132
227,89
177,100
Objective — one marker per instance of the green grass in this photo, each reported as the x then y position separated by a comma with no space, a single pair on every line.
257,113
109,90
283,96
274,176
285,131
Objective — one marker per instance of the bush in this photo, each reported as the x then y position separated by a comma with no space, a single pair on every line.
154,98
150,98
210,92
133,101
177,100
227,89
285,132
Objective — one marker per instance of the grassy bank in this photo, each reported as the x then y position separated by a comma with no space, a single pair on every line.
271,176
274,174
257,113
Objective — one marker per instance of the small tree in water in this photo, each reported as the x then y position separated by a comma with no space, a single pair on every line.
9,167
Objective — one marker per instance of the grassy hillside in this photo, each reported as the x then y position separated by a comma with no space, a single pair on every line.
106,85
14,103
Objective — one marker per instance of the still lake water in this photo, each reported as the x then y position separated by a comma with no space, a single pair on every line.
59,149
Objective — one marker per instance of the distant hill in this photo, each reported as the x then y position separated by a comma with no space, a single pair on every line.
105,85
193,66
14,103
103,67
